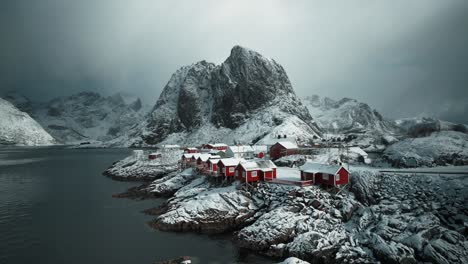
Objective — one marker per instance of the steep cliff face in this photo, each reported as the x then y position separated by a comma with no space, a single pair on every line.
18,128
243,99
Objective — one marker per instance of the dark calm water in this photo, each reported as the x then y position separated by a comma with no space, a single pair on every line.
56,207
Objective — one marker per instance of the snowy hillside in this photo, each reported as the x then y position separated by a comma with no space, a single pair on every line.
86,116
18,128
439,148
348,116
246,98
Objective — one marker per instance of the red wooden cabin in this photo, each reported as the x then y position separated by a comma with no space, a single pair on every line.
217,146
212,166
281,149
248,171
332,175
227,167
267,169
191,150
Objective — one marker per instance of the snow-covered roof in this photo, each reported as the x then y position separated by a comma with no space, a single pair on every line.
217,145
204,157
170,146
214,157
358,150
195,155
214,161
191,148
249,165
241,149
187,155
260,148
265,165
311,167
215,151
155,153
231,161
288,145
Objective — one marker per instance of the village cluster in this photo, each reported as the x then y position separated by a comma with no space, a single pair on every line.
252,164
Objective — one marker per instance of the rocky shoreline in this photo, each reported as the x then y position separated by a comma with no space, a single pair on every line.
385,218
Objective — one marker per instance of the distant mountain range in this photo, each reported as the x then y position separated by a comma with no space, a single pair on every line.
247,99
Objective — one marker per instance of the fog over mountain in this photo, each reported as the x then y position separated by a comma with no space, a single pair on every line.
403,58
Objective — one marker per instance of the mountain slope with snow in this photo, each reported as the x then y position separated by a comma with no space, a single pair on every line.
86,116
246,98
18,128
350,117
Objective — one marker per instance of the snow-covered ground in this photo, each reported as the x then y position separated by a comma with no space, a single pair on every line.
439,148
288,174
18,128
138,167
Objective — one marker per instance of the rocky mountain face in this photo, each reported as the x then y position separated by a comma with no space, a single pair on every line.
243,99
18,128
347,117
84,117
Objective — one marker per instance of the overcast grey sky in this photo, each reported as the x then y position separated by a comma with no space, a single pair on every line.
404,58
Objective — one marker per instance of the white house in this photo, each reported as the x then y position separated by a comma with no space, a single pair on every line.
240,152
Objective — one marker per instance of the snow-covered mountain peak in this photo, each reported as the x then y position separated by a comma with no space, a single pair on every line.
246,87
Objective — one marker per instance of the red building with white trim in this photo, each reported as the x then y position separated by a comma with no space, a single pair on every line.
332,175
281,149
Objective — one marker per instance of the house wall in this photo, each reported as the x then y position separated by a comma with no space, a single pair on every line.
248,174
276,151
344,177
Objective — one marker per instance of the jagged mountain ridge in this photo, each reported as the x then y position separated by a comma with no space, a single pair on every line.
18,128
85,116
346,115
246,98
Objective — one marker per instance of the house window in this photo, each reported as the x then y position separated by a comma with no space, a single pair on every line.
231,169
325,177
254,173
337,178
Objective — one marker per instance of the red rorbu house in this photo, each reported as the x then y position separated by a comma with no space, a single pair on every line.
201,162
193,162
217,146
267,169
332,175
281,149
227,167
186,160
212,166
248,171
191,150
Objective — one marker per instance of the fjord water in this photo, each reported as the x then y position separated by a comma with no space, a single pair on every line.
56,207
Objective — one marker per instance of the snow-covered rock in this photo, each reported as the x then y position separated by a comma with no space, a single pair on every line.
168,185
245,99
18,128
293,260
138,167
439,148
199,207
